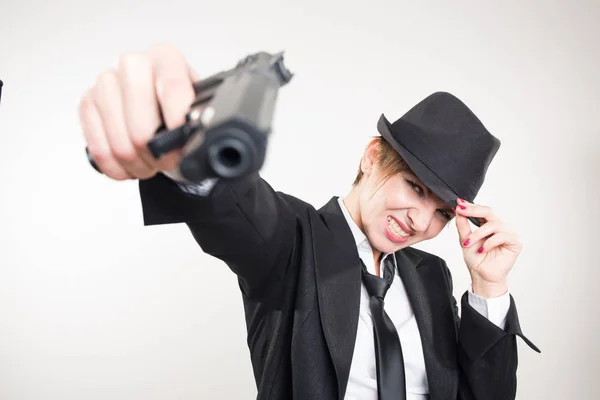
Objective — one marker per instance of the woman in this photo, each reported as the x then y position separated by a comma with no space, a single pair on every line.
338,303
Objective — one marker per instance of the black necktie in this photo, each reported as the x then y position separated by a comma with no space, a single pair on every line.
391,382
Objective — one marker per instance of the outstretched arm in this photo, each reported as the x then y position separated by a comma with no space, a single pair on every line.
246,224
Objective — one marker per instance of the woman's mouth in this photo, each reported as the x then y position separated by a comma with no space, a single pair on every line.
396,232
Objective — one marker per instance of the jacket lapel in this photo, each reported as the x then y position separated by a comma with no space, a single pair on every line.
422,282
337,266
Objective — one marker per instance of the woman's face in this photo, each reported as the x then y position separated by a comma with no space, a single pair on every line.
400,211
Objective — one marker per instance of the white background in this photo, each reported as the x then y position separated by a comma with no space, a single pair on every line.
93,305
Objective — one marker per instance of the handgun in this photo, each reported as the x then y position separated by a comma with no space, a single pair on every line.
226,129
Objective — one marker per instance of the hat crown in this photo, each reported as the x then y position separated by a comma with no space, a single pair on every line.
443,113
443,134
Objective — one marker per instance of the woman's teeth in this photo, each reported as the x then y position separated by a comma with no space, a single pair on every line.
395,228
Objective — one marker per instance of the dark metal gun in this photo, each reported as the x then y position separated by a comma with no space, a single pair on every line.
227,127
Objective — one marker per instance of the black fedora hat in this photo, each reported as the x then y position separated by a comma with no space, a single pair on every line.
445,144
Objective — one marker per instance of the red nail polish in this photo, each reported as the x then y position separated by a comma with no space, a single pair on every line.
480,250
461,200
466,243
463,207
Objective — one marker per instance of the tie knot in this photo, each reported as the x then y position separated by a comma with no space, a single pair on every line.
376,286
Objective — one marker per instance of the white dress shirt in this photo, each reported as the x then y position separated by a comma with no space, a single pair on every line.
362,383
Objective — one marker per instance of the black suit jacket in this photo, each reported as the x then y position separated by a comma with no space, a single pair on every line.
299,273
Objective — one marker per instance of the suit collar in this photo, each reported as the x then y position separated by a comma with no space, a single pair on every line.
335,219
338,278
359,237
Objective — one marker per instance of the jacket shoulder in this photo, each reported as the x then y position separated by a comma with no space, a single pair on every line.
421,255
300,207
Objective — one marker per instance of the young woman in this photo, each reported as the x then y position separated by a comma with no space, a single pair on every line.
338,303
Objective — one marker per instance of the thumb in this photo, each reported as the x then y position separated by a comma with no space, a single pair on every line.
194,75
463,227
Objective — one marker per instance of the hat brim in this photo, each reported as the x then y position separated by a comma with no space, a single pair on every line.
421,170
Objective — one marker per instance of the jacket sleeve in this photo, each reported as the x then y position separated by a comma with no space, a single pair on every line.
244,223
487,355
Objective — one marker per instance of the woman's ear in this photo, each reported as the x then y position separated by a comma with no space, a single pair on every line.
369,159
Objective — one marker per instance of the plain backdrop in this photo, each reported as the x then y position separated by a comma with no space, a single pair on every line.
93,305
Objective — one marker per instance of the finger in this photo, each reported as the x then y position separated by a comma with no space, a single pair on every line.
505,240
109,101
96,140
141,109
463,227
474,210
173,84
483,232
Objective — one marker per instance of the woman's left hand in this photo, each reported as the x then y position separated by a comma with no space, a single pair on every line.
490,251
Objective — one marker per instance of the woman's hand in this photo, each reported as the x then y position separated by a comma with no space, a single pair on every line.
490,251
121,111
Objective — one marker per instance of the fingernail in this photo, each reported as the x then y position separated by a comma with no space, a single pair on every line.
480,250
461,200
462,207
466,243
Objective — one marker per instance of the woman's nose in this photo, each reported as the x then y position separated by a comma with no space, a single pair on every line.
420,219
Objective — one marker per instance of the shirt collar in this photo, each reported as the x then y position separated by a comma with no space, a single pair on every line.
359,237
361,241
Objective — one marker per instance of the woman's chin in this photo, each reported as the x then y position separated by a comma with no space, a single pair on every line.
385,245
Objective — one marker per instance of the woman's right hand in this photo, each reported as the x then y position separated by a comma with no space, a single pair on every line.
121,111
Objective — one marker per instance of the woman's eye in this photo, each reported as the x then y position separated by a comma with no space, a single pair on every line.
446,214
416,187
